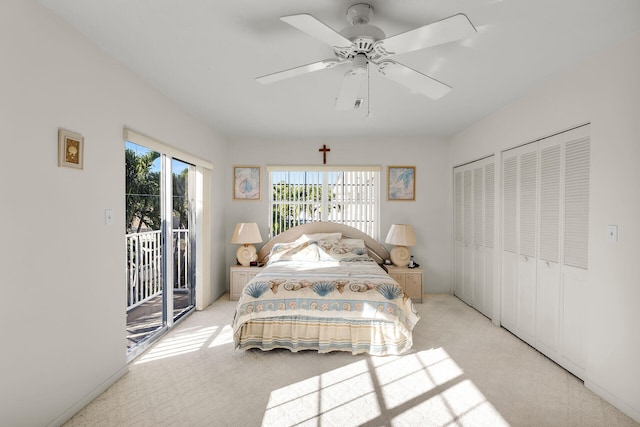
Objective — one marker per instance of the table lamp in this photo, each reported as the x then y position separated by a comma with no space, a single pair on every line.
245,234
402,236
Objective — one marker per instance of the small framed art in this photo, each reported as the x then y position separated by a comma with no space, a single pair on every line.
401,183
246,183
70,149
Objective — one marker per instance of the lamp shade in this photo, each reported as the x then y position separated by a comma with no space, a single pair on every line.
401,235
245,233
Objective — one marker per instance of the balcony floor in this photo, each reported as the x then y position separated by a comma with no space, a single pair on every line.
147,317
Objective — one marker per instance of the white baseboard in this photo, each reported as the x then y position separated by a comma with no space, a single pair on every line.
66,415
614,400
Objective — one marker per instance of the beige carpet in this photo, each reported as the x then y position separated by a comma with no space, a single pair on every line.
462,371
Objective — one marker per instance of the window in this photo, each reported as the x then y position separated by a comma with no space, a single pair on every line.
346,195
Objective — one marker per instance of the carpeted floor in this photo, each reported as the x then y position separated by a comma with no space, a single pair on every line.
462,371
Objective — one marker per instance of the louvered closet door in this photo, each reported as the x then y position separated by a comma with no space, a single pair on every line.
474,216
548,265
509,240
545,229
575,262
478,237
489,228
458,272
467,288
520,171
527,212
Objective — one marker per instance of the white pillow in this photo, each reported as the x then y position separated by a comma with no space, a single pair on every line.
320,236
294,251
351,250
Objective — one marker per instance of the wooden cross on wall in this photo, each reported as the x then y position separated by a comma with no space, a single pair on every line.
324,150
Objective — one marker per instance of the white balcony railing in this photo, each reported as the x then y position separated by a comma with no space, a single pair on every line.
144,264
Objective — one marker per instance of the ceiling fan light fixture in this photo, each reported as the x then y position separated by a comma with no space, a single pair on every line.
359,64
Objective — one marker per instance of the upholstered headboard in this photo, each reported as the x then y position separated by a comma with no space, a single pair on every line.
375,249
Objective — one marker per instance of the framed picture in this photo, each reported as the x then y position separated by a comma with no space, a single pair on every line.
70,149
401,183
246,183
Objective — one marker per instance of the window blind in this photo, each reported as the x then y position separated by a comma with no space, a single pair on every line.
347,195
161,147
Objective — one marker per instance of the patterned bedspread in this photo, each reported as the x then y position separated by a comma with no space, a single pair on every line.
294,301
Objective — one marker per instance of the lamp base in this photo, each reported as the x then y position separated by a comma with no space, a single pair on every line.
246,254
400,256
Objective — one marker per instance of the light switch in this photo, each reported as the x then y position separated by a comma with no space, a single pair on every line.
108,216
612,233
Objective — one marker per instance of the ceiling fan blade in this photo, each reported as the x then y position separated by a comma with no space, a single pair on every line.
310,25
292,72
349,91
413,80
450,29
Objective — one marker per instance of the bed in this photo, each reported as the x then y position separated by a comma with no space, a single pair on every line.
323,288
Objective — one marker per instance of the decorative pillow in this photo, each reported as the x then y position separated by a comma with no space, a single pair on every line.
294,251
343,250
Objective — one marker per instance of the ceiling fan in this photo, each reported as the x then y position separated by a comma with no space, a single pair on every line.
362,44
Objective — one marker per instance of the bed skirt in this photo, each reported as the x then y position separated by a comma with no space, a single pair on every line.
296,333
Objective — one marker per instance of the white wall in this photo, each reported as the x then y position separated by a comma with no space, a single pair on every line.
606,92
429,214
63,312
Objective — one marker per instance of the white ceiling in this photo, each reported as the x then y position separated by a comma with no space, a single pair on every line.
205,54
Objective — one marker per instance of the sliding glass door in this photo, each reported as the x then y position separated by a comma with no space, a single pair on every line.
183,218
160,244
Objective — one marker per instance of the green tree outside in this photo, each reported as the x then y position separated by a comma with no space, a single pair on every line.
142,191
306,208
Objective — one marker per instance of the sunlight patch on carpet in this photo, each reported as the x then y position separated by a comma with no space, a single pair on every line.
224,337
345,393
468,405
413,389
181,342
415,375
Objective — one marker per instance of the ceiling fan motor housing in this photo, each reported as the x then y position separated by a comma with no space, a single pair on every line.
359,33
362,37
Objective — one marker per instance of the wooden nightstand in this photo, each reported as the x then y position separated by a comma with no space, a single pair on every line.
410,279
240,276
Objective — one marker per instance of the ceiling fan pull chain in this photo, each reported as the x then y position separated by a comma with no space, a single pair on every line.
368,90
